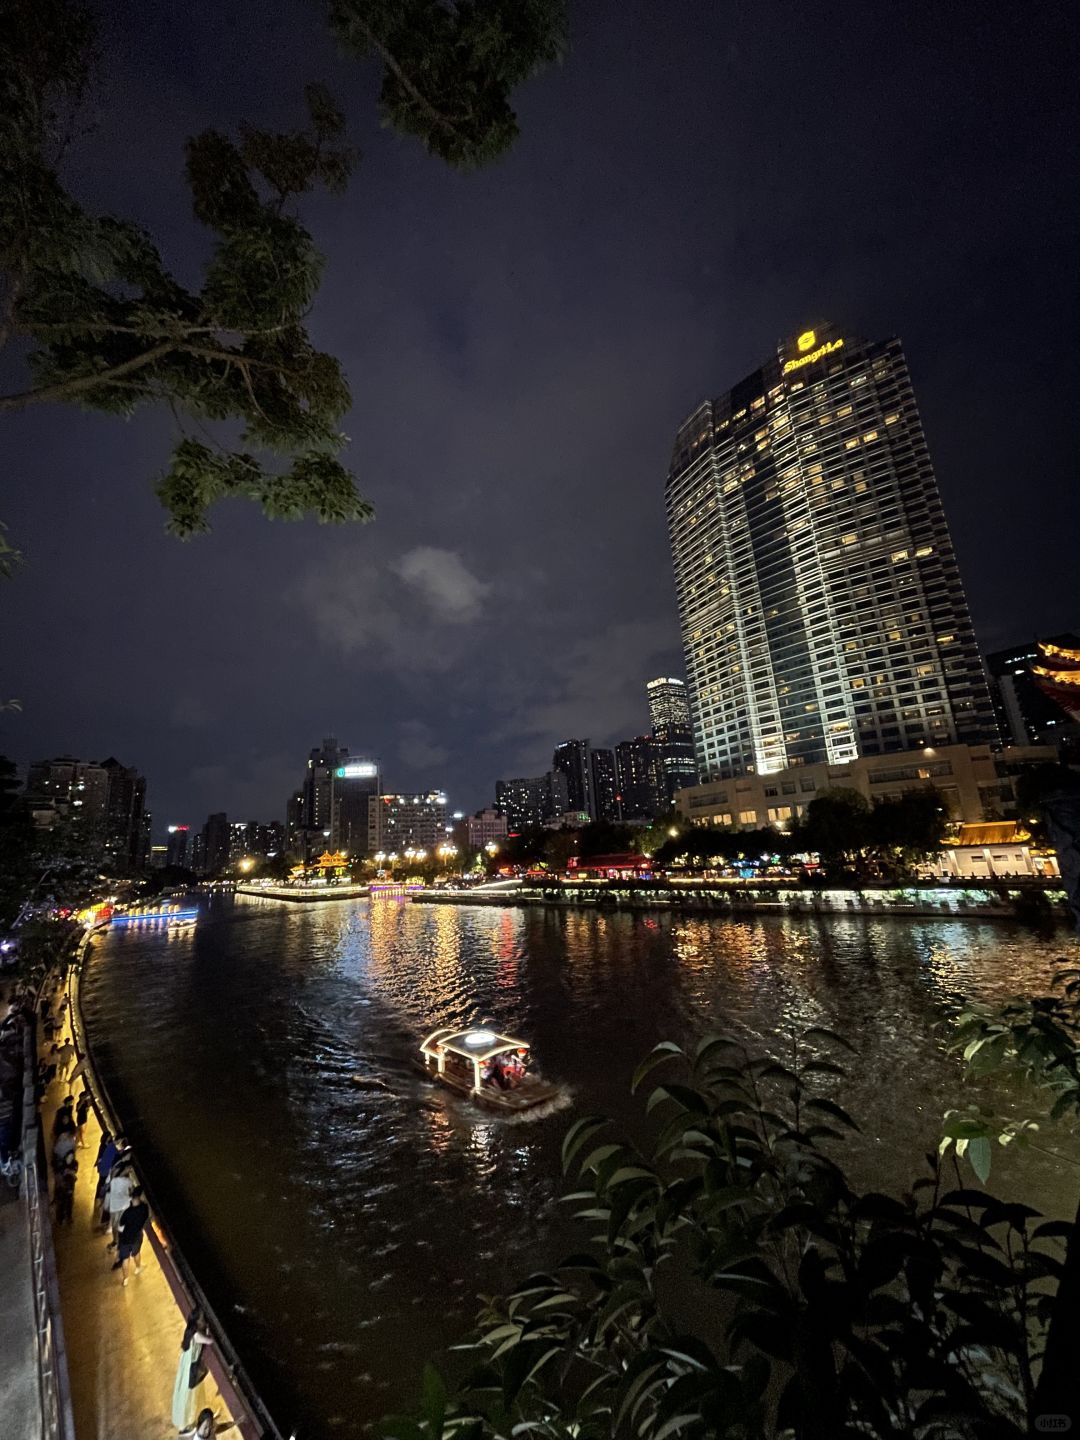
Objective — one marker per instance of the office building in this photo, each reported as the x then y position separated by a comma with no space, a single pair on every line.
976,782
640,791
820,601
353,783
75,793
1028,713
216,838
604,786
573,758
331,806
126,834
673,735
531,801
176,849
318,786
397,823
486,827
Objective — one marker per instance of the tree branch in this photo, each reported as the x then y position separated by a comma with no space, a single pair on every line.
63,389
393,66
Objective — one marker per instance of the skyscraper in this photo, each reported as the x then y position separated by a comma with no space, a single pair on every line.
673,734
529,801
354,781
602,763
821,606
640,779
573,759
126,840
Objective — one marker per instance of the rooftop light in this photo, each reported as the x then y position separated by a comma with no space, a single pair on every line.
477,1039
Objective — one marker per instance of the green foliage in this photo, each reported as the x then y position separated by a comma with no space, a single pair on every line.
1034,1041
735,1285
448,70
108,327
701,844
1031,1039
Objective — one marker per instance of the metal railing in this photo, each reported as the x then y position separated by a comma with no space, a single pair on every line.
57,1421
253,1420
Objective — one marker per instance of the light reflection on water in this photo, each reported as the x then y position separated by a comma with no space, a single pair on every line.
354,1211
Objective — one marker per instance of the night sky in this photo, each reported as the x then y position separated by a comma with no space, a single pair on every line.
695,182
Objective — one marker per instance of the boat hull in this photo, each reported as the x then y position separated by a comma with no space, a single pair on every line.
531,1092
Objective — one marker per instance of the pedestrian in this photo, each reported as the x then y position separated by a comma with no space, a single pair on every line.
82,1110
191,1375
63,1120
65,1058
63,1149
130,1235
117,1197
64,1192
207,1425
106,1159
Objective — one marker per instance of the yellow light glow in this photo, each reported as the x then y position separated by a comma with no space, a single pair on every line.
806,341
822,350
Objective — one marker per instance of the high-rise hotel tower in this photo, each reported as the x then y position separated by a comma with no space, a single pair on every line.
821,606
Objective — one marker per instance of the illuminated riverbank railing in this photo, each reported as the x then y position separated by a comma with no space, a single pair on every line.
54,1393
252,1419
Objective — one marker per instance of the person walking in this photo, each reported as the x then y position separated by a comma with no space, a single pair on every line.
106,1159
82,1110
189,1386
63,1149
63,1121
65,1057
117,1197
130,1235
64,1192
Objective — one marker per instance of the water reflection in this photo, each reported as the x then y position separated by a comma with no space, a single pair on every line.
266,1061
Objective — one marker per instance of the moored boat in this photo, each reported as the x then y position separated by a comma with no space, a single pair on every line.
490,1068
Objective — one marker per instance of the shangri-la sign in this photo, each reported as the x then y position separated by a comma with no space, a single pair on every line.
810,350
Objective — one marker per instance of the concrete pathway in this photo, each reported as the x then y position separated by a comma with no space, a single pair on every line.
123,1345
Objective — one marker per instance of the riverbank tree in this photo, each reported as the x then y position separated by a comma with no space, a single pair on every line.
96,316
735,1284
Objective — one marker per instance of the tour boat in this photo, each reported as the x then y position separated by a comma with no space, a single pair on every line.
489,1068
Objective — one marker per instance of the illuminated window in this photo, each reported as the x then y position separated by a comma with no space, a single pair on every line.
892,419
945,639
844,410
924,550
848,539
850,444
747,817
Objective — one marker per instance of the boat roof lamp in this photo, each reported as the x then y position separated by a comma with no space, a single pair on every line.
480,1043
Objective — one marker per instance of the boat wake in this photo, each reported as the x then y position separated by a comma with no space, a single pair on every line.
562,1101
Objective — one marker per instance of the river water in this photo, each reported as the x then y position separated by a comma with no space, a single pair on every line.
343,1213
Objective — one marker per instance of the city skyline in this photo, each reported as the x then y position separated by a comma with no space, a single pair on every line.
593,288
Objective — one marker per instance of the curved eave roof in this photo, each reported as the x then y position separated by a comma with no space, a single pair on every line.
454,1041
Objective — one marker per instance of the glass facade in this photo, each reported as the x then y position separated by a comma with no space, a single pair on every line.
821,606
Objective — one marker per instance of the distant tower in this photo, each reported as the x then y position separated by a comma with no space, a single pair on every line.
673,735
820,601
573,758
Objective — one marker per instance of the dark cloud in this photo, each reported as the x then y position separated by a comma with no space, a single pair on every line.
695,182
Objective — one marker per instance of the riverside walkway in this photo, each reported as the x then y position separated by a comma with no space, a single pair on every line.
123,1344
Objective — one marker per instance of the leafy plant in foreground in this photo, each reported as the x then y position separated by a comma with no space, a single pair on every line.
734,1283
